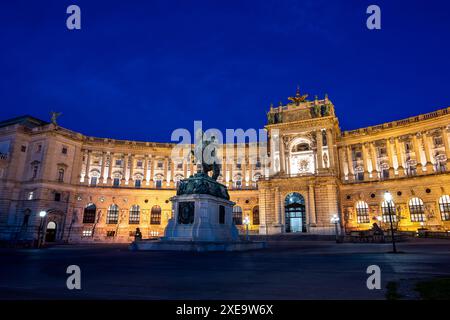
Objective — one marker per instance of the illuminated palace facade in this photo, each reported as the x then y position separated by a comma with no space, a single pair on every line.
101,190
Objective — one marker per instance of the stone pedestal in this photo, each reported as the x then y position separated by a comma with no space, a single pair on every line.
201,217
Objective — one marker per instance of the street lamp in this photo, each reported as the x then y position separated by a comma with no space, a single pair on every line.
335,219
246,222
42,215
388,199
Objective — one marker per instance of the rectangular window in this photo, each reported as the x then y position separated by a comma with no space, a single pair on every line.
118,162
93,181
160,164
30,195
39,148
137,183
57,196
23,148
116,182
110,233
64,150
158,184
139,163
180,166
87,233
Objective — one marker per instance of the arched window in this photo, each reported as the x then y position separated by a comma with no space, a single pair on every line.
416,210
255,215
155,215
134,214
388,209
112,217
362,212
444,207
237,215
89,213
61,175
300,147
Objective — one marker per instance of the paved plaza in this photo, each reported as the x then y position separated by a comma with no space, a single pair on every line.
285,270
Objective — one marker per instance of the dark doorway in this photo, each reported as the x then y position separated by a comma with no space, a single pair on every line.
50,234
295,212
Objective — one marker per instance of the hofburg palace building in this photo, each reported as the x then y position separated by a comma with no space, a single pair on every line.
101,190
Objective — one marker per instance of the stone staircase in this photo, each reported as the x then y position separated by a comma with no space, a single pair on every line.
291,237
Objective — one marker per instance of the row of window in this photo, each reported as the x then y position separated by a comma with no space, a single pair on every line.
415,205
112,216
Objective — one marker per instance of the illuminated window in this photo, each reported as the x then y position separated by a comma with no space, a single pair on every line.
237,215
30,195
386,208
112,217
89,213
155,215
134,214
416,210
444,207
362,212
87,233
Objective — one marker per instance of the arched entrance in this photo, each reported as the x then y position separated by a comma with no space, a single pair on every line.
295,212
50,234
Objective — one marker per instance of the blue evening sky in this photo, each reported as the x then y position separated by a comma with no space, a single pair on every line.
138,70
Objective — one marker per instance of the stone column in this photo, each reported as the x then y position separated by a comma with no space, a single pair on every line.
319,151
330,144
145,181
124,174
88,166
400,162
390,157
172,173
110,168
166,169
417,153
365,161
373,152
250,170
427,145
446,145
152,171
281,153
277,206
342,164
244,171
312,205
102,173
131,179
351,171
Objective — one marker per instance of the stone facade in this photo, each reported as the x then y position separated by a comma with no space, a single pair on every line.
101,190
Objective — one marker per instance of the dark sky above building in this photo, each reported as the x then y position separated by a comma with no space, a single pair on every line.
138,70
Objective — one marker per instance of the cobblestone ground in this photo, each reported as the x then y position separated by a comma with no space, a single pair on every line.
286,270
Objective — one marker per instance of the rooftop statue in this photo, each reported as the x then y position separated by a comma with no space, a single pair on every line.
55,116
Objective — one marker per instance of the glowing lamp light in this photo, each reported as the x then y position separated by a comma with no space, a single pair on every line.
388,196
246,220
379,218
334,218
42,214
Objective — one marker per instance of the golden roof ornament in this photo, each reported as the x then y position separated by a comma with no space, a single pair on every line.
298,97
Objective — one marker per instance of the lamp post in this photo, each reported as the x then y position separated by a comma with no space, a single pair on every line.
246,222
42,215
388,199
335,219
